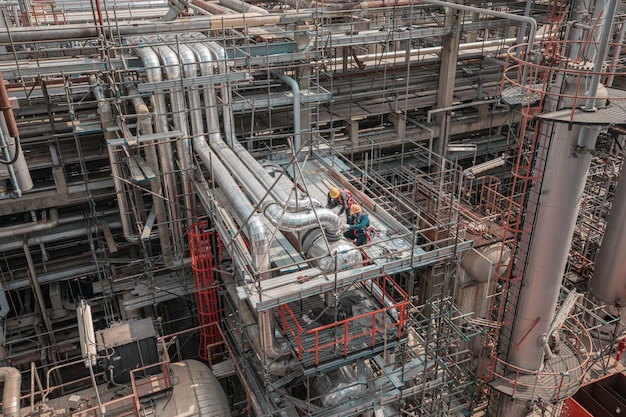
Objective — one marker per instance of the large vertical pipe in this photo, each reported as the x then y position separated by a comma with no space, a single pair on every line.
608,284
108,123
12,379
11,145
171,63
297,127
153,74
145,128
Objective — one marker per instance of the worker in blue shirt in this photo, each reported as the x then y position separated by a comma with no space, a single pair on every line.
358,223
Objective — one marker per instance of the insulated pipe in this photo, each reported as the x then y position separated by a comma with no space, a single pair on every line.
108,123
18,160
144,121
297,134
137,28
22,229
295,222
242,6
7,109
227,114
12,379
153,74
4,304
523,19
291,204
277,215
608,284
263,343
171,62
600,56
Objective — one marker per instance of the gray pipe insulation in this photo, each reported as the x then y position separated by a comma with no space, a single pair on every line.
12,379
179,115
255,179
291,204
144,123
153,74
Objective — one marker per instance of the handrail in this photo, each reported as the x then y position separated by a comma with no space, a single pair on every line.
398,305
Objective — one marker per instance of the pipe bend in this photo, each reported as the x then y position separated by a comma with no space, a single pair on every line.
12,379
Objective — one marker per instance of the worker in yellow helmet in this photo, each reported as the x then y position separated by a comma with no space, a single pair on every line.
343,198
358,224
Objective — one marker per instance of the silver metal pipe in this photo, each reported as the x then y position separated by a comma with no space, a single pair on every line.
522,19
608,284
242,6
297,133
138,28
108,123
153,74
600,56
19,166
170,60
22,229
144,122
295,222
12,379
290,203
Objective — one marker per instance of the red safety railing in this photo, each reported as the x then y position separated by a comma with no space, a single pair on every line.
340,336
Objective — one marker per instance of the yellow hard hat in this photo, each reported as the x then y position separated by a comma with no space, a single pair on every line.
355,208
334,192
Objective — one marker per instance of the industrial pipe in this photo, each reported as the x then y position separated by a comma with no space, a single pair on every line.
153,74
608,284
170,60
297,134
22,229
510,16
12,379
138,28
108,124
242,6
144,121
291,204
7,109
603,43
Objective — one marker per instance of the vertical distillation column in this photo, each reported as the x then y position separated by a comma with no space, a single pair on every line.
201,241
561,161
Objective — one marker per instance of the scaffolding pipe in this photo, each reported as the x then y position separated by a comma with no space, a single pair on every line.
12,380
153,74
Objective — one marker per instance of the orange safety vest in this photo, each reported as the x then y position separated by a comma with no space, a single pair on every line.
349,198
